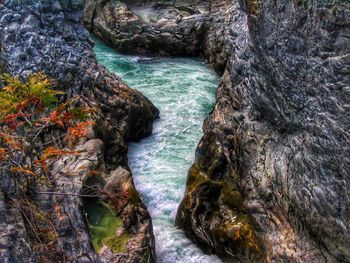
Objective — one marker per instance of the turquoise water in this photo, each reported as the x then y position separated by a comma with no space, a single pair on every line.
183,89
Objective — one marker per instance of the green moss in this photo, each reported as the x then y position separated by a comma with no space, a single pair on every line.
231,197
38,222
237,231
253,6
240,232
134,196
103,224
245,232
117,243
195,177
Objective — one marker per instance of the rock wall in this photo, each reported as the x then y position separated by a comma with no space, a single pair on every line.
49,36
271,176
270,179
278,139
166,28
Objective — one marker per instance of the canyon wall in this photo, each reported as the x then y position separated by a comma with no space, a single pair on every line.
270,179
49,36
272,170
165,28
271,176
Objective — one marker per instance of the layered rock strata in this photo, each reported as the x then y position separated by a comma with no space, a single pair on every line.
45,220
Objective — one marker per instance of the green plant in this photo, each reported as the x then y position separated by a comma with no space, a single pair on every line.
29,109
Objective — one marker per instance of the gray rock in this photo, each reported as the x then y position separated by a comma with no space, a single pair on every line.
278,138
49,36
174,28
271,172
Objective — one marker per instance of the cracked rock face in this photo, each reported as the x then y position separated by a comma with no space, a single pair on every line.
279,133
49,36
271,176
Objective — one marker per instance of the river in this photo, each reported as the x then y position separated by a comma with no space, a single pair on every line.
183,89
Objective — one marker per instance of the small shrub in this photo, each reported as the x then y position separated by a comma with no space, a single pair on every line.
28,110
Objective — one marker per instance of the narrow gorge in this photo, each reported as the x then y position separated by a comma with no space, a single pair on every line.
183,90
264,178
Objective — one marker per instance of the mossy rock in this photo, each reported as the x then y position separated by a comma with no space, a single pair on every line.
253,6
195,177
103,224
240,233
134,197
231,197
237,233
117,243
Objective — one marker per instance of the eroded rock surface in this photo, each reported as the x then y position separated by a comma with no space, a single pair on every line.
36,226
175,28
271,177
277,138
271,173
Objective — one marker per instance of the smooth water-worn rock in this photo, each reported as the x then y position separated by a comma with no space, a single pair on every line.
49,36
163,27
142,28
271,176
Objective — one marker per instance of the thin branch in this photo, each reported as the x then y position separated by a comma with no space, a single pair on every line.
31,226
26,119
53,140
68,194
14,162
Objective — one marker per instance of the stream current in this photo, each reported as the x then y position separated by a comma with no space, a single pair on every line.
183,89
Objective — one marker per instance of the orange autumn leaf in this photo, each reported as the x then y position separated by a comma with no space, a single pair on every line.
55,152
3,154
42,164
55,117
80,130
9,140
60,124
22,170
93,173
30,113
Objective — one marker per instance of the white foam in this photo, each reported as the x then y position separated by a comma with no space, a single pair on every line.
184,91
